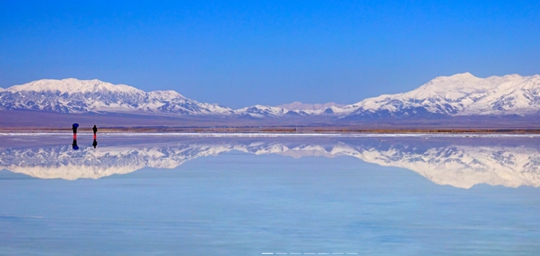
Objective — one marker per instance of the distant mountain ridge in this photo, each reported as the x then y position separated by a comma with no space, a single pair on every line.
84,96
445,96
304,106
459,95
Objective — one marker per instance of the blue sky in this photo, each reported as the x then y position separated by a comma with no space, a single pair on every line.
240,53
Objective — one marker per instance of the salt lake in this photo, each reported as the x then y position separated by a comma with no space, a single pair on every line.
269,195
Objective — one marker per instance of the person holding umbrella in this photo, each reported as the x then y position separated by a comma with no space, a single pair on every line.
74,128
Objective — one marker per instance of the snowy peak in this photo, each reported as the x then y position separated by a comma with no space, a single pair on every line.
169,95
457,95
458,76
463,83
72,85
303,106
95,96
295,109
260,111
460,95
445,96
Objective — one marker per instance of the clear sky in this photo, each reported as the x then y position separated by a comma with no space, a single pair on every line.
240,53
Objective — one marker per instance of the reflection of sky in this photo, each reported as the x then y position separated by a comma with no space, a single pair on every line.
238,203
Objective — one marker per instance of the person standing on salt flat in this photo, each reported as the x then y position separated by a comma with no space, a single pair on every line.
95,136
74,128
95,131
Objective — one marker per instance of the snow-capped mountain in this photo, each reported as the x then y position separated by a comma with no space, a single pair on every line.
446,96
296,109
83,96
259,111
304,106
459,95
443,163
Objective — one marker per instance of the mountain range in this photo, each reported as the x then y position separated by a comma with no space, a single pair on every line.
446,162
460,95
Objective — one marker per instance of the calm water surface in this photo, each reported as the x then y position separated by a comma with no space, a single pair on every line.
256,196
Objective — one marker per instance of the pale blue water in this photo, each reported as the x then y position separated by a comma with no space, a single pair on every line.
236,202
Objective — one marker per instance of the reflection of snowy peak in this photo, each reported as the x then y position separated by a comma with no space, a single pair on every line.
64,163
457,165
82,96
465,166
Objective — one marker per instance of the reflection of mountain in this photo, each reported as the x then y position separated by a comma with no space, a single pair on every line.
443,162
466,166
64,163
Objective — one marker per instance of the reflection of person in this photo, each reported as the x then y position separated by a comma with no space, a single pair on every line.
74,144
95,132
95,143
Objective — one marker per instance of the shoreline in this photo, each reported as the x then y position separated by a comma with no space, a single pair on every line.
85,134
278,130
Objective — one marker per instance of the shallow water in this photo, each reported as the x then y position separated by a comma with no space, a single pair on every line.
167,195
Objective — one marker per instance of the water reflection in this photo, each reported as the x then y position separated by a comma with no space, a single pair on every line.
460,163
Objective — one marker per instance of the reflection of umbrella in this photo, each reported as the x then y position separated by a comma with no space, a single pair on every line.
75,147
75,125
